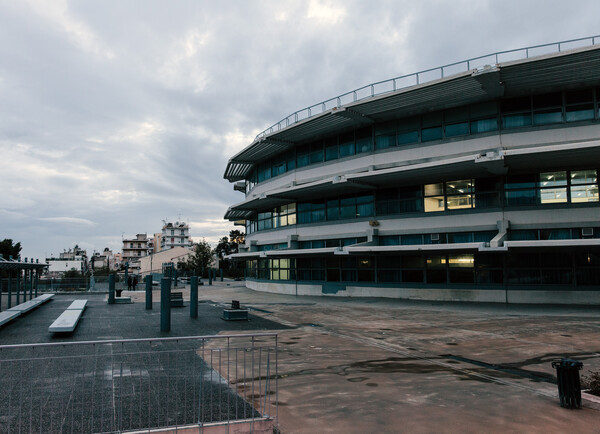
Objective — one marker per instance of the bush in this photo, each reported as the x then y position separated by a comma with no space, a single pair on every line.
591,382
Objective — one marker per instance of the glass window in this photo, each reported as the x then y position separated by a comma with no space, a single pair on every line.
428,134
580,192
516,121
331,149
347,208
303,156
484,125
458,129
333,209
347,144
408,137
411,240
459,194
364,140
549,191
364,206
516,112
316,152
436,269
434,197
383,142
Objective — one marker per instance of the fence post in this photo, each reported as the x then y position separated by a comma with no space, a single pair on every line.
111,289
165,304
194,297
149,292
9,291
19,287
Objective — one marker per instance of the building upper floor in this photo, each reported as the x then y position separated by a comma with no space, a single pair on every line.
508,113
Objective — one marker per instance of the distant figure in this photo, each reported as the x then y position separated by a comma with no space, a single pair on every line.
129,283
134,282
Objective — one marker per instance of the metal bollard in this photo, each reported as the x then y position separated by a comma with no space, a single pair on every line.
165,304
194,297
210,276
111,289
149,292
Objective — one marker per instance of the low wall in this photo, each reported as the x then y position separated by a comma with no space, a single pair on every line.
534,296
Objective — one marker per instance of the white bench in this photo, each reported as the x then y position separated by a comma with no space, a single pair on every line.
18,310
67,321
31,304
7,316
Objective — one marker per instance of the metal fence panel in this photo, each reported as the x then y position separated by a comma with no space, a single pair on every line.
121,385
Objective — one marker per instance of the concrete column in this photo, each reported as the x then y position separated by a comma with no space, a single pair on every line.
149,292
37,281
194,297
111,289
165,304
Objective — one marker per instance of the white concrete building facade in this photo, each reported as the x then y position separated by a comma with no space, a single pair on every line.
480,185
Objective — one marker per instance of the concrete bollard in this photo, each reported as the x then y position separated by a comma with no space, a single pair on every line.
165,304
111,289
149,292
194,297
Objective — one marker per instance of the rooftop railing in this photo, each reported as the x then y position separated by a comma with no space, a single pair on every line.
402,82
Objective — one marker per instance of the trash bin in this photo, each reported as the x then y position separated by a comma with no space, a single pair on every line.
569,386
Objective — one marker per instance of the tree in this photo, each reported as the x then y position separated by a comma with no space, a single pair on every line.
228,246
8,249
200,258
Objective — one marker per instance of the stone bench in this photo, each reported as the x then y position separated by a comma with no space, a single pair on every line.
68,320
8,315
31,304
177,299
18,310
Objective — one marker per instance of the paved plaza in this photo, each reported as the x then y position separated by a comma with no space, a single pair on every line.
376,365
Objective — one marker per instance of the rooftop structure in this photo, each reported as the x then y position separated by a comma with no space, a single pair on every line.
478,181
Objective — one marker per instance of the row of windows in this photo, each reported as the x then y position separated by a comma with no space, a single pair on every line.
562,186
564,268
448,238
441,238
553,234
338,242
537,110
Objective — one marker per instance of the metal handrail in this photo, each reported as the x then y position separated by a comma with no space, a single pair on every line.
136,341
416,78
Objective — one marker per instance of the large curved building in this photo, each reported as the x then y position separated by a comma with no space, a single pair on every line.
476,181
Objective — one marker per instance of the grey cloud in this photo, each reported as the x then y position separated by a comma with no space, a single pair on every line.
123,113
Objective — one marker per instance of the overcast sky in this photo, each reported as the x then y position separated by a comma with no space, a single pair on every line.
115,115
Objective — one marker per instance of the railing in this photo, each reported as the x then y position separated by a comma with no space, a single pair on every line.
404,81
121,385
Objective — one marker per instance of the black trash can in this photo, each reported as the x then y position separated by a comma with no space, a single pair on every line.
569,385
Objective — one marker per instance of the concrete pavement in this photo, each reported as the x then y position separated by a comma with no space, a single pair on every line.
378,365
